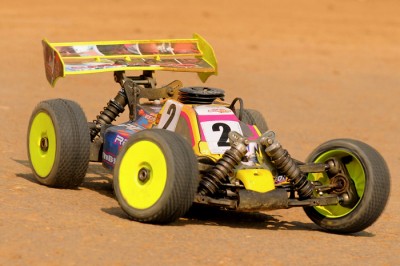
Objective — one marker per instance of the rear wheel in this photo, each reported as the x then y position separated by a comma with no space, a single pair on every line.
254,117
370,176
156,176
58,143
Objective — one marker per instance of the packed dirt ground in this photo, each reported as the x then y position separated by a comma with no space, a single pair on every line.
317,69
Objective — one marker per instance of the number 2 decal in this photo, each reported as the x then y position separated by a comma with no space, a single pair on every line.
171,112
170,116
223,140
216,134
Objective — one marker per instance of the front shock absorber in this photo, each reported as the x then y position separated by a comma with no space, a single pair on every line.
286,165
110,113
229,160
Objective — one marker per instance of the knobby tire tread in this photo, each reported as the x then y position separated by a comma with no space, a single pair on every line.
183,184
73,143
377,189
254,117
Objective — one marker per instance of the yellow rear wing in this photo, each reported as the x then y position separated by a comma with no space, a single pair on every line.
184,55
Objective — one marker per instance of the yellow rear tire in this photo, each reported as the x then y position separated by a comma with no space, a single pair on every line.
58,143
255,118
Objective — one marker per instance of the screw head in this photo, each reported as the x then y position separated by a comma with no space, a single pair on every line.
144,175
44,144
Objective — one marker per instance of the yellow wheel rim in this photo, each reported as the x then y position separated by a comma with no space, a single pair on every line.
42,144
357,174
142,174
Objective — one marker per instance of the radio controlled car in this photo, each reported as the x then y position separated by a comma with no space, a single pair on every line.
185,145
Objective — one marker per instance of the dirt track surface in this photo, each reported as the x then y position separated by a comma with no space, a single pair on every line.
318,70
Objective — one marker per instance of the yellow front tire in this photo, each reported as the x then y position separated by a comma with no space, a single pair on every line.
58,143
370,175
156,176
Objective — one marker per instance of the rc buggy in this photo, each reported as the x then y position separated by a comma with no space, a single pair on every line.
188,145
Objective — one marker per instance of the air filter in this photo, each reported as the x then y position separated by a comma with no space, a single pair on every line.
200,95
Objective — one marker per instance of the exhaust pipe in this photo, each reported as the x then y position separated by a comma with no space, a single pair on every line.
255,201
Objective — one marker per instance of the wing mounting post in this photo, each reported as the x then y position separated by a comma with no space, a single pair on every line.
131,88
131,91
146,79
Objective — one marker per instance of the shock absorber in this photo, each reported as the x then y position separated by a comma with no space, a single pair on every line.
286,165
229,160
110,113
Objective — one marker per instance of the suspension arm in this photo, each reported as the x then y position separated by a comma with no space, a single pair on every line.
313,167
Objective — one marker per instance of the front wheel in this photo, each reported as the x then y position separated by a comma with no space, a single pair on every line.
156,176
371,178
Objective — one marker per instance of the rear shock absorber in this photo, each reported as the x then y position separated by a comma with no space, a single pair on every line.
229,160
286,165
110,113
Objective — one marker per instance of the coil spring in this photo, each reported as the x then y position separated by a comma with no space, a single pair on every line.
110,113
287,166
224,166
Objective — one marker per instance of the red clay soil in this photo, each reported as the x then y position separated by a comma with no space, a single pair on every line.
317,69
